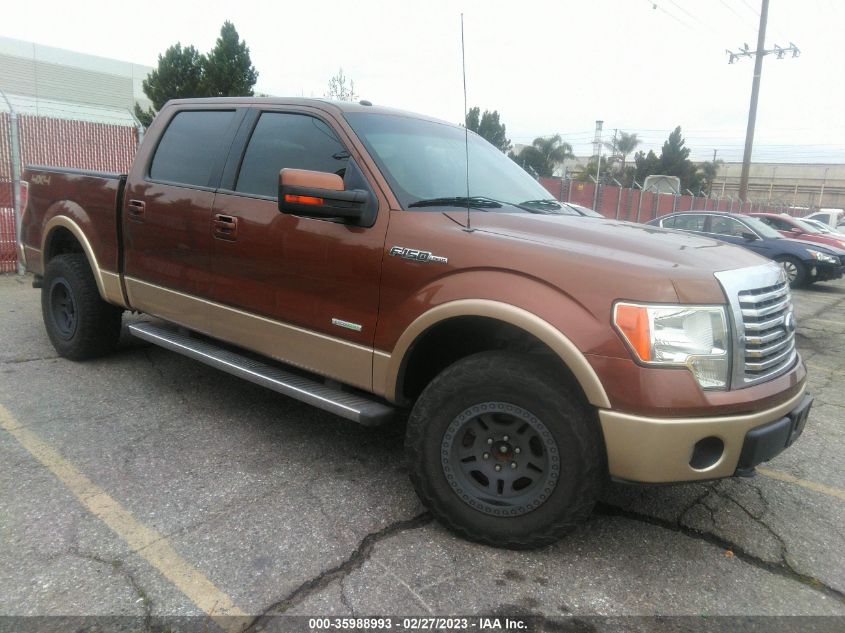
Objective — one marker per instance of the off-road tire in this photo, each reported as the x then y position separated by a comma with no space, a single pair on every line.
801,276
95,327
529,385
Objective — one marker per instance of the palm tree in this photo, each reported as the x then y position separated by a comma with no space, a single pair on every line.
623,145
544,154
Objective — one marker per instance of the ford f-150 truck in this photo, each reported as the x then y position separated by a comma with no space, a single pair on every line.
367,260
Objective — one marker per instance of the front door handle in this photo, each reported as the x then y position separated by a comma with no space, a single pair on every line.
225,227
136,210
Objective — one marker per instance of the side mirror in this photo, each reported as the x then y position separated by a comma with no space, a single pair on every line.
319,194
748,236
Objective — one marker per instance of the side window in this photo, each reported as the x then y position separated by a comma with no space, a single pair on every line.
822,217
190,147
689,222
727,226
284,140
777,223
668,223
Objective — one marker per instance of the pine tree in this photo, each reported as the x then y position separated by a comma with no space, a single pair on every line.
178,75
228,69
489,127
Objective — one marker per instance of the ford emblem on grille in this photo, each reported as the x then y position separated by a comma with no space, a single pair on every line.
789,322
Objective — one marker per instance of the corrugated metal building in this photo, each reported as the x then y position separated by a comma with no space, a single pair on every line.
57,83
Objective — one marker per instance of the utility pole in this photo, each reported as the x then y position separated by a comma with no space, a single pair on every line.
755,88
597,145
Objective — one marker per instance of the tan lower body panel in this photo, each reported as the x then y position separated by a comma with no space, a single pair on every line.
325,355
112,292
658,450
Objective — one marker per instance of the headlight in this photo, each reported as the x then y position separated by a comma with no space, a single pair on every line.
695,337
822,257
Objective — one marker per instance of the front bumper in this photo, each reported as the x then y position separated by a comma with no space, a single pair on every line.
762,443
820,271
666,450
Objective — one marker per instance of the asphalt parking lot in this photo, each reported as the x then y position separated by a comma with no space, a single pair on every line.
148,485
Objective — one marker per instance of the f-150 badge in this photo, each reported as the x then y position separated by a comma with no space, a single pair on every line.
416,255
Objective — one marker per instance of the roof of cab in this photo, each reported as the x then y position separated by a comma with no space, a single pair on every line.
340,107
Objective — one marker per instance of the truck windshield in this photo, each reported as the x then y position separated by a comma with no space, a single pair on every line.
425,164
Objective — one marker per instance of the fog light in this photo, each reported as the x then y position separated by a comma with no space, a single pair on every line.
706,452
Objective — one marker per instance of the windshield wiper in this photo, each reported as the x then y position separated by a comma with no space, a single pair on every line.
458,201
544,205
542,201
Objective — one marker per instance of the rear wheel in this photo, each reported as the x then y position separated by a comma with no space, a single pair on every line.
502,454
796,273
79,323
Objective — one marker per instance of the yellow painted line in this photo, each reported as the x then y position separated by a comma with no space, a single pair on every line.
830,491
146,542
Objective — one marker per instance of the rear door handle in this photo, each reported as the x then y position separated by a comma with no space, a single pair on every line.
136,210
225,227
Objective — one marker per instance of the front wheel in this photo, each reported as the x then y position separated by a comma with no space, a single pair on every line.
796,273
502,453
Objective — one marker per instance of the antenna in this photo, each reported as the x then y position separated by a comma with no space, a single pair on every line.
466,129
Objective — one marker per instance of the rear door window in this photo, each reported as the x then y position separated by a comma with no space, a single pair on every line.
727,226
689,222
281,140
191,147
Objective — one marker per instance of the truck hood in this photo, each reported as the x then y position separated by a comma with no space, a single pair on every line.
640,246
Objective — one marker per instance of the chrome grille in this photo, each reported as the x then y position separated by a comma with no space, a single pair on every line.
769,342
763,323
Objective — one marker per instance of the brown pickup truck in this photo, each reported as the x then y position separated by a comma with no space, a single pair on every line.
367,260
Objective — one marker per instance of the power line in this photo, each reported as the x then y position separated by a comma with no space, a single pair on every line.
654,5
750,8
734,11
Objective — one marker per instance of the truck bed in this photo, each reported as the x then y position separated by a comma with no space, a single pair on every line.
85,203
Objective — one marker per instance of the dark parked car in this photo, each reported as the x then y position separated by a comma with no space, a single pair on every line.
802,262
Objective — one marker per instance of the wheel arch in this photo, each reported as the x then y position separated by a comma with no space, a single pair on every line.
395,369
62,235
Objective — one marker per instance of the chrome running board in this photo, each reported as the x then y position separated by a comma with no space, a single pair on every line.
351,406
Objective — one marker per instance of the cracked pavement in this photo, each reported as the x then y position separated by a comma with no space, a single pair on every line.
291,510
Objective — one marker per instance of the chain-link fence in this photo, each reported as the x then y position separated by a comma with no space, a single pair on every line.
58,143
8,252
636,205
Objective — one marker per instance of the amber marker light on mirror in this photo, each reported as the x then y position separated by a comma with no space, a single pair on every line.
294,199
